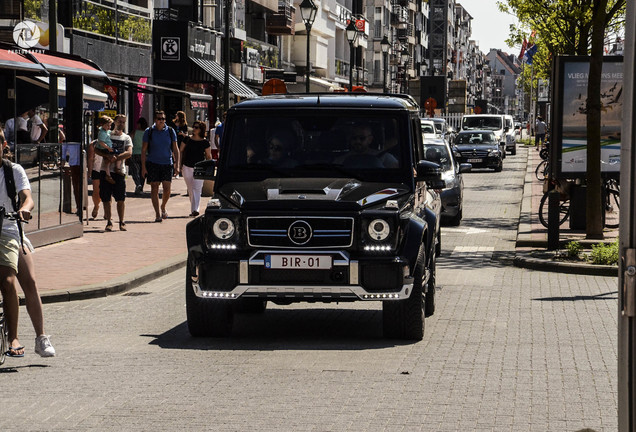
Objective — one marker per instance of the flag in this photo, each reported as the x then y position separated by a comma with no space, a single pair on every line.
524,45
530,52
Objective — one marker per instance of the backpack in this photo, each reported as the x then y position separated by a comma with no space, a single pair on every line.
9,181
169,133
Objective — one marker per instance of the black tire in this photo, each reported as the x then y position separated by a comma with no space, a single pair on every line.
457,219
499,168
541,171
404,319
4,343
207,317
250,306
438,246
514,150
543,153
612,208
429,299
564,210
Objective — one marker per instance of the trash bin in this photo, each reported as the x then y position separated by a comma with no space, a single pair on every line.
578,199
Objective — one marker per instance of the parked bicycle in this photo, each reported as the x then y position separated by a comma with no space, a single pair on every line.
611,203
543,170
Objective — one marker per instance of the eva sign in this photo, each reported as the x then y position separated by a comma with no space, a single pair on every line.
170,48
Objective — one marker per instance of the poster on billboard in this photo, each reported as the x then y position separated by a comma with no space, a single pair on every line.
571,131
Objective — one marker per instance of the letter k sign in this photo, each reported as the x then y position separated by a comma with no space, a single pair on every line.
170,48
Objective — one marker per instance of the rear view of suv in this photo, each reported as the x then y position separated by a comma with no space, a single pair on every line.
317,198
511,139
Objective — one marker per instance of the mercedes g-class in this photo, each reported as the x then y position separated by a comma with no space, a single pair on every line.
317,198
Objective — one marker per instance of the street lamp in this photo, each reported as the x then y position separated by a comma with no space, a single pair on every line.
352,34
308,11
385,44
404,55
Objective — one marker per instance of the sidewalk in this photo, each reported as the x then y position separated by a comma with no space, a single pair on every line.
532,236
102,263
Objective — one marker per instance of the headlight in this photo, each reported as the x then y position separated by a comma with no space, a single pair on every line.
379,229
493,152
223,228
449,178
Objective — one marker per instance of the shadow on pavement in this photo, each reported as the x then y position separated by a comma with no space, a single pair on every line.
298,329
603,296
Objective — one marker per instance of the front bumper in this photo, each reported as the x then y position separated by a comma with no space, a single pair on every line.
373,278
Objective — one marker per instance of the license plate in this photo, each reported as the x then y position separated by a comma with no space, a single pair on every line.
474,160
298,262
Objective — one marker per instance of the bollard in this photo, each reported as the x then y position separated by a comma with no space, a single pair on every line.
554,203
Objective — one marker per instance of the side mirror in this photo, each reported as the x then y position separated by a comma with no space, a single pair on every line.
431,173
465,167
205,170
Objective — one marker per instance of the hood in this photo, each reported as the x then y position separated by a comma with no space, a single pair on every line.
469,147
305,192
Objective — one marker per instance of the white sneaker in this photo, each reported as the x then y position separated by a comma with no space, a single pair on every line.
43,346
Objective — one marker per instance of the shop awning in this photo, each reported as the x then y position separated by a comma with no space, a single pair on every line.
68,65
37,93
217,72
14,61
154,88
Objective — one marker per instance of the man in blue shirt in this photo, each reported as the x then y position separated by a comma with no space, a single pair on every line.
159,161
218,133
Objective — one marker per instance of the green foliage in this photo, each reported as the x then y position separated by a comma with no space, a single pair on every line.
573,249
606,254
98,19
561,26
33,9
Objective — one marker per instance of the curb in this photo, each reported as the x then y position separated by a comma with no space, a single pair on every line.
564,267
118,285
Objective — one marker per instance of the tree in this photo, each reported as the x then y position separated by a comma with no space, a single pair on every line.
577,27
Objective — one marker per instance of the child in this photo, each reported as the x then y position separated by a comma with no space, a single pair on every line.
104,142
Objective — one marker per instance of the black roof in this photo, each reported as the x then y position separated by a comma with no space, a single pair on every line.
330,100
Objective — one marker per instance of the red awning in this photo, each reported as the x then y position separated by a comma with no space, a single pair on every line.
12,60
64,65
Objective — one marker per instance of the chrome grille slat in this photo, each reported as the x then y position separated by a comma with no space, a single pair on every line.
327,232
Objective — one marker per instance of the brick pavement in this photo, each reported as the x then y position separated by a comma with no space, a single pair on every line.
87,263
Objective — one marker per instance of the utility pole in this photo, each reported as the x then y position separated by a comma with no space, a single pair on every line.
53,105
226,55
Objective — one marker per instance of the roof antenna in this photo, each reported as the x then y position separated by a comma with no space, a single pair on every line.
318,99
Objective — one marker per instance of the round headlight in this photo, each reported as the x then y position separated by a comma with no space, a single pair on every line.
379,229
223,228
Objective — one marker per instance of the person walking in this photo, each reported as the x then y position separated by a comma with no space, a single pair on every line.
135,159
218,133
122,146
94,165
194,149
540,129
37,128
159,162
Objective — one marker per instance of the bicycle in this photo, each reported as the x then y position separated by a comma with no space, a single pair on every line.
542,171
611,204
564,203
4,337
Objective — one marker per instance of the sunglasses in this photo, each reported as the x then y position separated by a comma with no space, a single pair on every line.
161,118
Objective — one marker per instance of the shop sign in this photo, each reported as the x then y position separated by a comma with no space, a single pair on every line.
170,48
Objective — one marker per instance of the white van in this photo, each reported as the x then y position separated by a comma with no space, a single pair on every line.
511,140
490,122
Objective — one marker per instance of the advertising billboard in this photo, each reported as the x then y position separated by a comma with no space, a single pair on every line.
570,127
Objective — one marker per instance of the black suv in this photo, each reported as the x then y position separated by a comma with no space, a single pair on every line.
318,197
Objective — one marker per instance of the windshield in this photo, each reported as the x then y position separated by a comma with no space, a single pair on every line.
438,126
475,138
487,123
428,128
282,143
509,123
438,154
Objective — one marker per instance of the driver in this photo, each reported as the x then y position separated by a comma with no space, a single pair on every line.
360,141
279,144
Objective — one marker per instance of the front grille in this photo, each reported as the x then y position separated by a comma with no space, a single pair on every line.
475,153
322,232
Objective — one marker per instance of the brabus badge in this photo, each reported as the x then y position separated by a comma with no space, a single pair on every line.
299,232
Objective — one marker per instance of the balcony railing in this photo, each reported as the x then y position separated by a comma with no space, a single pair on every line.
107,21
400,17
282,22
